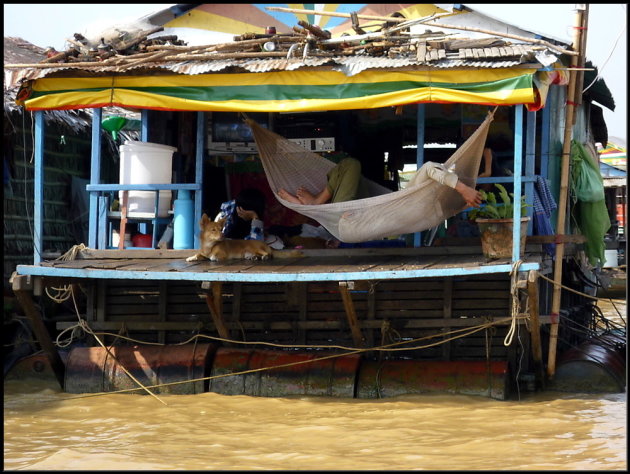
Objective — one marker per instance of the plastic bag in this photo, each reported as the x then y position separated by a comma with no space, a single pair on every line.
587,179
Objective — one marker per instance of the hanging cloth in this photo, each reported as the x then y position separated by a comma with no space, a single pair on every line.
544,205
423,204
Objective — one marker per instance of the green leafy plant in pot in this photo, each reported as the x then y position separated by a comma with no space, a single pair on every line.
495,222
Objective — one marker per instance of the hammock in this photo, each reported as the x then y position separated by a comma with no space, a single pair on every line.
423,204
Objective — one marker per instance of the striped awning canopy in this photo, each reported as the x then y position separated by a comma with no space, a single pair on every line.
376,72
305,89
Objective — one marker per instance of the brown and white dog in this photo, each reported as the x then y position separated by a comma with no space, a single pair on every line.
214,247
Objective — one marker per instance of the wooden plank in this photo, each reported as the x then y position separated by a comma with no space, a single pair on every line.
436,323
237,292
303,311
162,308
532,292
101,309
277,265
351,314
72,263
175,265
338,269
448,313
147,264
421,51
123,219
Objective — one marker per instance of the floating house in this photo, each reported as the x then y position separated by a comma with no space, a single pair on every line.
394,85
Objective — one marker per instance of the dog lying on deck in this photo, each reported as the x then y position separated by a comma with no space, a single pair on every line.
214,247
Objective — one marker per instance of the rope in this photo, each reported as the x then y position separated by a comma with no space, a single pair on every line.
64,292
291,364
567,288
87,329
384,348
515,302
386,330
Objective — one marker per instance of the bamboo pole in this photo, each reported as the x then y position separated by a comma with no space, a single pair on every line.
505,35
392,19
579,81
564,191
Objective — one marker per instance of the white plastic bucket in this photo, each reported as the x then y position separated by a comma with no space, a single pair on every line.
146,163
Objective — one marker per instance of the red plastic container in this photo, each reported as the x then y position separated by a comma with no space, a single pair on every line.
142,240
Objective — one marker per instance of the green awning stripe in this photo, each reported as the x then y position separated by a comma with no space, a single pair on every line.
305,91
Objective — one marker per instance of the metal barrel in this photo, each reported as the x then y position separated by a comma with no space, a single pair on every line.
92,369
597,365
400,377
301,373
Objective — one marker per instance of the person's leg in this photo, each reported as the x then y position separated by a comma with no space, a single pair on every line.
343,185
284,194
344,179
306,197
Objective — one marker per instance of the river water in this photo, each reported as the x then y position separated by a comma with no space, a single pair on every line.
47,429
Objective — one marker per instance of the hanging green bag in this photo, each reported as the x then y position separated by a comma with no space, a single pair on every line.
590,212
588,184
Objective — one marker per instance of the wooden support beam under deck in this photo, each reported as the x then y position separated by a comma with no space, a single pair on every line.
214,300
357,336
22,287
532,292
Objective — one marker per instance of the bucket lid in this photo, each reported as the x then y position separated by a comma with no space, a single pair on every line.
130,144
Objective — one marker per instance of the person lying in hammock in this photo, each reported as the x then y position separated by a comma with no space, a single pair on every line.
345,183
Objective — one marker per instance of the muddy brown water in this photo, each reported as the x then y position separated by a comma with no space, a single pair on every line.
47,429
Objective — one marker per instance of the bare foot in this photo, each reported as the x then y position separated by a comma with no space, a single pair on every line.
304,196
288,197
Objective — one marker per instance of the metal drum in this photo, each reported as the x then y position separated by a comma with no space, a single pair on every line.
92,369
399,377
300,374
595,366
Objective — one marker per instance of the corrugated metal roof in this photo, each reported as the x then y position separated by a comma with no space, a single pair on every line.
349,65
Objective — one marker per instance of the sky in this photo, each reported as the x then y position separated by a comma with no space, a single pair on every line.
50,24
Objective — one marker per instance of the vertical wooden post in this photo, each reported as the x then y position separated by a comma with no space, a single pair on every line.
518,172
357,337
22,286
38,188
564,190
417,237
123,220
215,304
530,163
144,125
532,292
199,154
95,177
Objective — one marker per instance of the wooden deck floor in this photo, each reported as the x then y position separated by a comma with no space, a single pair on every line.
312,265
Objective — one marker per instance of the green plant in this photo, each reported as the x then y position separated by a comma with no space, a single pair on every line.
494,210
